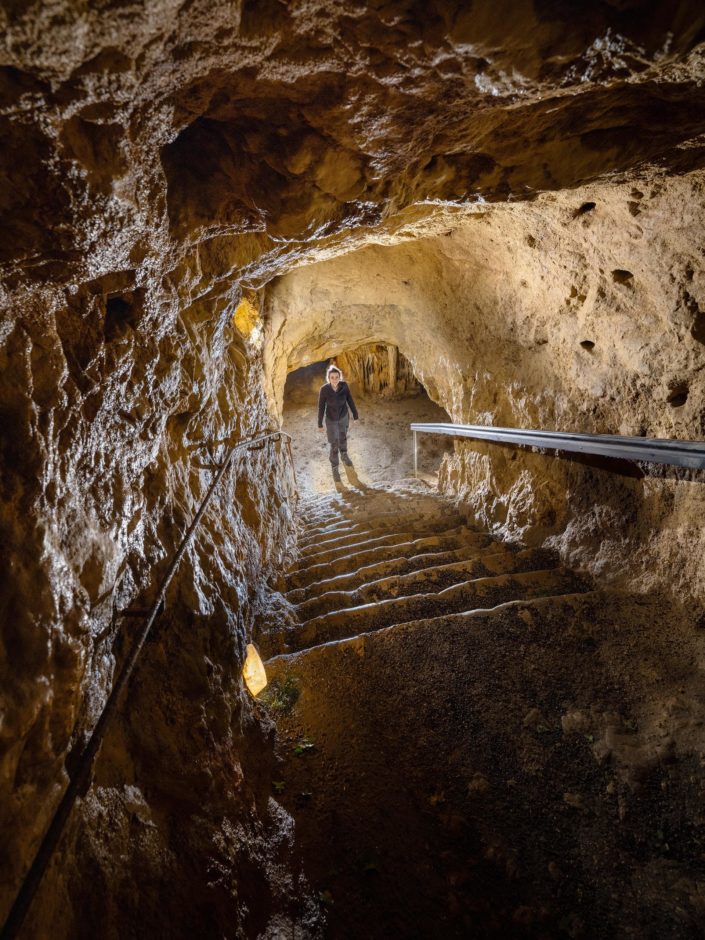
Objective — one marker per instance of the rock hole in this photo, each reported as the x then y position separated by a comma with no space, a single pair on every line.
118,315
622,276
697,330
586,207
531,241
678,396
587,344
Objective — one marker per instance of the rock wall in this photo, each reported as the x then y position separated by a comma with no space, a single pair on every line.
159,158
114,420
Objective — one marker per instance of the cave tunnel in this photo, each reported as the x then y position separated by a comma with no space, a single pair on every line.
238,697
388,397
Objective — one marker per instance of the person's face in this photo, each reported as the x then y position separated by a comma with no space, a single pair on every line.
334,379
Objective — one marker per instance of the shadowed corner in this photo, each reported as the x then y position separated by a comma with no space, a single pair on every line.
354,479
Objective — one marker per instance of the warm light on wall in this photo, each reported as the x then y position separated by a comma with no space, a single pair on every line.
253,671
246,318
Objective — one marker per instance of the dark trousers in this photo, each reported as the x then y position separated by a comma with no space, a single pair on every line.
337,432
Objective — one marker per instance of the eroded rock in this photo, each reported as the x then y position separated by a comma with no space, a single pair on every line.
160,158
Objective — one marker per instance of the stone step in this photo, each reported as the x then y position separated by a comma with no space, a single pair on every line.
307,662
469,725
318,553
336,530
350,580
328,536
363,541
424,580
355,559
375,500
351,516
481,593
380,517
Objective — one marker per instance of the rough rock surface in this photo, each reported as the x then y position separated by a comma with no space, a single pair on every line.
379,370
161,156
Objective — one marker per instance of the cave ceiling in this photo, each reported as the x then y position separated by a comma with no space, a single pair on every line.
238,140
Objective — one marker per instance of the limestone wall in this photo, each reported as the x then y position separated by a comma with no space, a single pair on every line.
115,416
160,158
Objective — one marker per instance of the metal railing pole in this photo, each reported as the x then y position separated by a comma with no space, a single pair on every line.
293,465
416,461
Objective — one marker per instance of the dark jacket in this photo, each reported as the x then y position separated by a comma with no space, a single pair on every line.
335,403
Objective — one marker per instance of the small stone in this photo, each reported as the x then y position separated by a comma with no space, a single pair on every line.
532,718
573,799
523,915
478,784
575,722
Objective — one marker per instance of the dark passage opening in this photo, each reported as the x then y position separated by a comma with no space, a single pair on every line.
388,397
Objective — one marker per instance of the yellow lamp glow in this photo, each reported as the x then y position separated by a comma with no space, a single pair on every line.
253,671
246,317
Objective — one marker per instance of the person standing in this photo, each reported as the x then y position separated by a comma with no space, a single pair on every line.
333,400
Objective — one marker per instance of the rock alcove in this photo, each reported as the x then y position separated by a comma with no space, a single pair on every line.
198,199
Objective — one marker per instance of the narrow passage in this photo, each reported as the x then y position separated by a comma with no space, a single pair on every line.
380,444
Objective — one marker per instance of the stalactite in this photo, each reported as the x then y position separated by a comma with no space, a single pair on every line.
378,369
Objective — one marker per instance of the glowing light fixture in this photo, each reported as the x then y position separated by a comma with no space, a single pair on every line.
253,671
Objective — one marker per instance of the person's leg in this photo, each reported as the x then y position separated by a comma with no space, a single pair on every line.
332,433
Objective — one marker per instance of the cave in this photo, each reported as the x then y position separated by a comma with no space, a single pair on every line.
245,696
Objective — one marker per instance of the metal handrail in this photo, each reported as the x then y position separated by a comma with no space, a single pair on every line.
80,774
689,454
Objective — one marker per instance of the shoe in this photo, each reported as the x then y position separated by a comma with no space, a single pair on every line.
336,475
346,460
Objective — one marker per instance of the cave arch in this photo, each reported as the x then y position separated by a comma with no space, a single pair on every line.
388,396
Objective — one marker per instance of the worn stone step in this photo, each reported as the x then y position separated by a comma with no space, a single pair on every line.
493,561
341,537
381,516
457,723
328,536
363,540
395,537
480,593
356,559
368,538
351,516
337,530
376,499
309,661
350,580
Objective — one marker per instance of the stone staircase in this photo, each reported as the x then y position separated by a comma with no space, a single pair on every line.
444,702
364,566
